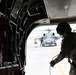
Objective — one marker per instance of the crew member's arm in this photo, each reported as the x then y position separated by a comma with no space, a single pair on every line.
65,47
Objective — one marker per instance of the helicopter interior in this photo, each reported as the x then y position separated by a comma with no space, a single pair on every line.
19,17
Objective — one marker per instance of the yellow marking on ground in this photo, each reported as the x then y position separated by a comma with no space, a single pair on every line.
60,68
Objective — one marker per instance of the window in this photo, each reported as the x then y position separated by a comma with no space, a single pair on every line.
38,57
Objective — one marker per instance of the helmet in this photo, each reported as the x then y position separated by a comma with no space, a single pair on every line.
63,27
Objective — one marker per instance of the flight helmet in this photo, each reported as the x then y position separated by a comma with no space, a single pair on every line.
63,27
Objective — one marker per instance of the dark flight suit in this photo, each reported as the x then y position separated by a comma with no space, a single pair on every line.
68,49
41,41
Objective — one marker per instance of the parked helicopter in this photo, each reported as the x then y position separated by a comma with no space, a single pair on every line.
47,39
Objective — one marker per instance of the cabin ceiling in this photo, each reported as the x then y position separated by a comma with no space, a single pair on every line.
60,8
55,9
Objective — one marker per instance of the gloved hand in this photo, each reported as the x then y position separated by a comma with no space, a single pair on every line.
52,63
